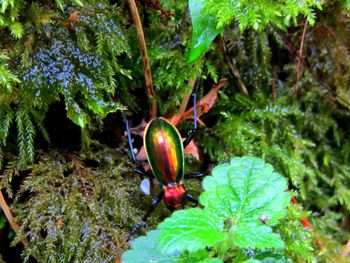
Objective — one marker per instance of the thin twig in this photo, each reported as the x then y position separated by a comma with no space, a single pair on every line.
233,68
186,98
10,218
308,67
300,52
147,69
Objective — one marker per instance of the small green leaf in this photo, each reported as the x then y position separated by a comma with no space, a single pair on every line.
204,30
249,192
78,2
59,3
4,5
16,30
145,249
192,230
249,235
76,114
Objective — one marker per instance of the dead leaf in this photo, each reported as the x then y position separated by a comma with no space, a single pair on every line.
72,22
192,149
203,105
139,129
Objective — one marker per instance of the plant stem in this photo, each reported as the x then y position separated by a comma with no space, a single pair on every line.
185,99
300,52
233,68
10,218
147,69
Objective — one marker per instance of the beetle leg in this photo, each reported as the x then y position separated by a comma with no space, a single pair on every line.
155,201
193,132
192,199
131,148
140,171
190,176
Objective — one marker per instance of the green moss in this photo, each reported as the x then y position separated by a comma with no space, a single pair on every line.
77,208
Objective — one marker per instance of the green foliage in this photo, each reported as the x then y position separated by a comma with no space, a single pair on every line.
61,3
78,57
298,241
268,257
75,212
258,14
305,136
57,65
179,231
26,119
11,11
53,60
7,77
276,131
167,52
237,191
9,14
147,249
242,199
2,220
204,30
209,17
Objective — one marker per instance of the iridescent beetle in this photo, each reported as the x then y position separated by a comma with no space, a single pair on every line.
165,155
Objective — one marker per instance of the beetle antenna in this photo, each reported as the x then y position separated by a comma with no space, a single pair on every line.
194,96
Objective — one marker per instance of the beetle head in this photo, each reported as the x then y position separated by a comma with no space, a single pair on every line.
174,195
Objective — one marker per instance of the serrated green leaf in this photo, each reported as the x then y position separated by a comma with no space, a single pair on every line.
204,30
145,249
249,235
248,191
190,230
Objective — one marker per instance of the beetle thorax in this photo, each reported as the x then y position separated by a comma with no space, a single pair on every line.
174,195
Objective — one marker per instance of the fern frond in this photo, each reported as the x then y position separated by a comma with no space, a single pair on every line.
8,79
5,124
25,138
38,118
29,136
